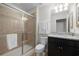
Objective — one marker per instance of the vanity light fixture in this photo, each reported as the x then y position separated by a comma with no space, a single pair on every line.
61,7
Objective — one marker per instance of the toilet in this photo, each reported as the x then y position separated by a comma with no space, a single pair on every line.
39,49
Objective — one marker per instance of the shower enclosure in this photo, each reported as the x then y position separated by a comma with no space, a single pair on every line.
17,31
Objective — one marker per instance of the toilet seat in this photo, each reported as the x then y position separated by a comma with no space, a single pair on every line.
40,48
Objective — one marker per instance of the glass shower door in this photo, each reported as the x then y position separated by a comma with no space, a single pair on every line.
29,34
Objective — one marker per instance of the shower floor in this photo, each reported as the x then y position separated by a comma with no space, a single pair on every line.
18,51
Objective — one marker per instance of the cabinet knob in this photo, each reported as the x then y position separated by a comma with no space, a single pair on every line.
60,47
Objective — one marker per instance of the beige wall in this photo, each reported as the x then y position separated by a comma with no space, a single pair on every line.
10,22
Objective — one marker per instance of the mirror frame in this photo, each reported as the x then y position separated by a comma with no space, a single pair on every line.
77,15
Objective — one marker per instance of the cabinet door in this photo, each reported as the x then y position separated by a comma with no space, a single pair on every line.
76,48
54,46
53,49
68,48
68,51
76,52
60,42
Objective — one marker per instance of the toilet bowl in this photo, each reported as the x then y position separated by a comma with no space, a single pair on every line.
39,49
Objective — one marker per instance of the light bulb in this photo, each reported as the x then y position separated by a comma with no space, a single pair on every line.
61,6
60,9
65,8
56,9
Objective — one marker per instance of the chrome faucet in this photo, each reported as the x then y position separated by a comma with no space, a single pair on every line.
73,34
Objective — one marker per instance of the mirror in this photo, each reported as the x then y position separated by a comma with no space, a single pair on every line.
59,17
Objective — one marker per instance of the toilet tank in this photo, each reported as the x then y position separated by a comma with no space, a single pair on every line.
43,40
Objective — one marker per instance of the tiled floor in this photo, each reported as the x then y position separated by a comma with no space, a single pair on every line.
18,51
30,53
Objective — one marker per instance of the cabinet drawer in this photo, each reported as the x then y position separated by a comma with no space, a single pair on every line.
70,43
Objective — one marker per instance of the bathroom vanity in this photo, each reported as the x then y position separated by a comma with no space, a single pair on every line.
63,45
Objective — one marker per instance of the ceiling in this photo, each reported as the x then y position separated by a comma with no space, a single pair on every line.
25,6
28,7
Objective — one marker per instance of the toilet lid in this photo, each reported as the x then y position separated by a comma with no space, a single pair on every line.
40,46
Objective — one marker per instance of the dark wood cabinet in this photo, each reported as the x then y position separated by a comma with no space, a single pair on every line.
62,47
55,47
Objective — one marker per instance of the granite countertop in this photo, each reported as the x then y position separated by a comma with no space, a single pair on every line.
64,36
